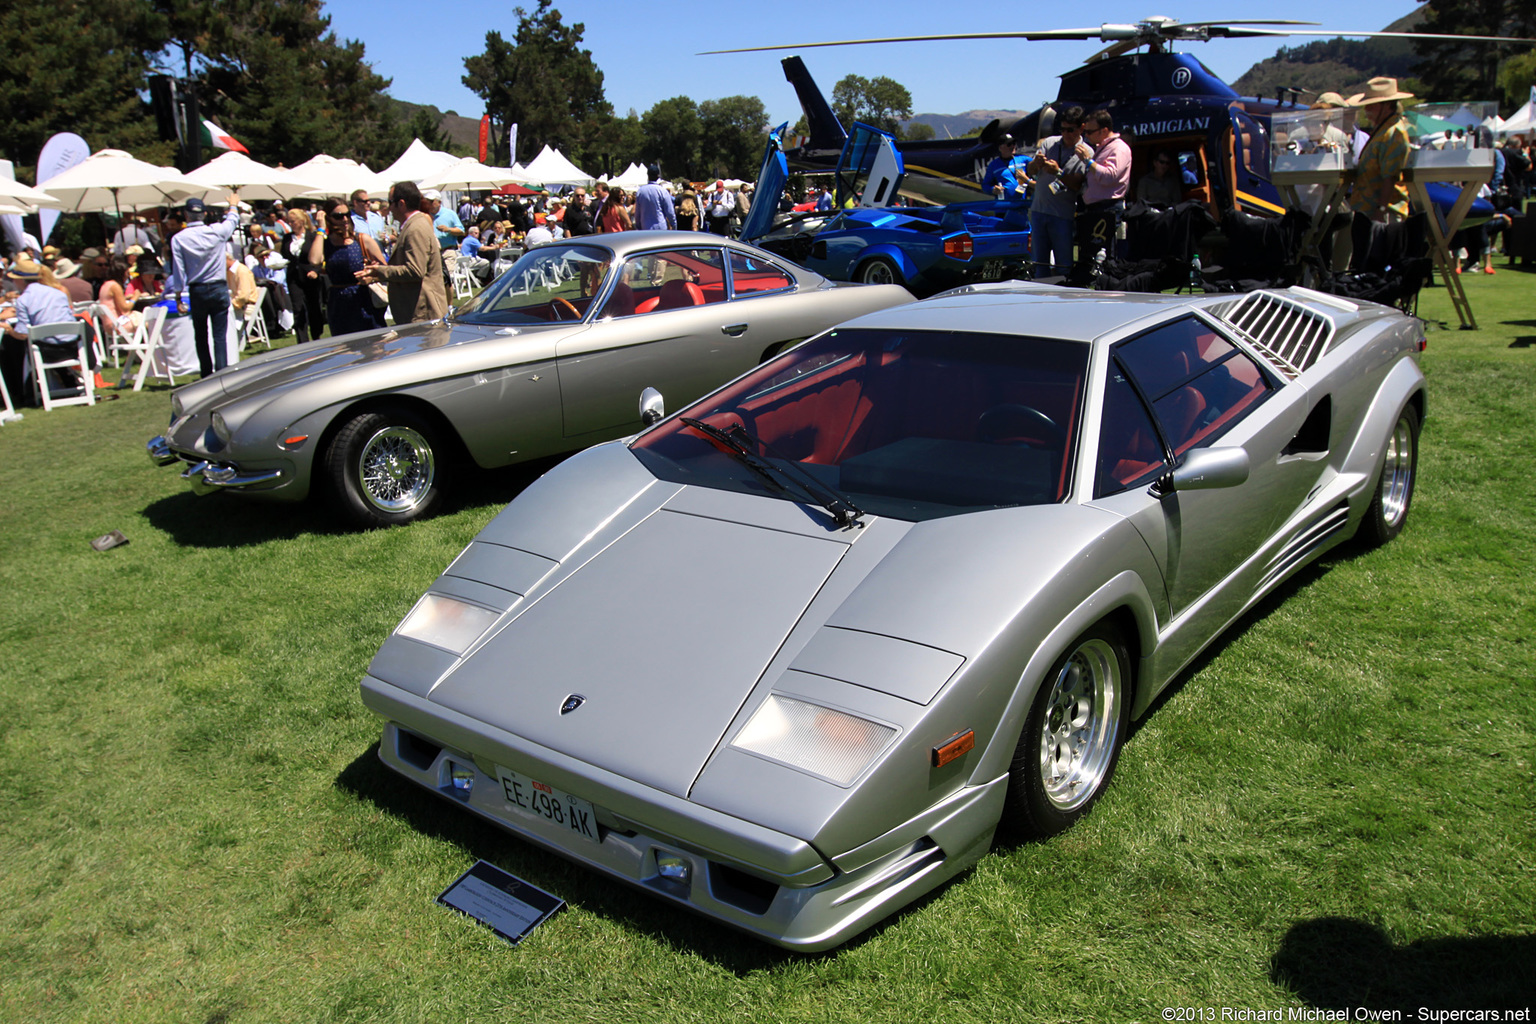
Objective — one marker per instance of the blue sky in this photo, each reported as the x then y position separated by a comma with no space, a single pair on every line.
648,51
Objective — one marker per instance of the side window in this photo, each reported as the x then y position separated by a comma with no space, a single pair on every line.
750,276
669,279
1129,447
1199,383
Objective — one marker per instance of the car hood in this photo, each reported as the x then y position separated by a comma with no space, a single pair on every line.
399,348
650,632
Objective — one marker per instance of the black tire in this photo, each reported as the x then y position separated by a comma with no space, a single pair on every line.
383,468
878,270
1388,510
1053,781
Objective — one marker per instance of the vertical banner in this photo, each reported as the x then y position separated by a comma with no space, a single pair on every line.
485,134
10,223
511,144
59,154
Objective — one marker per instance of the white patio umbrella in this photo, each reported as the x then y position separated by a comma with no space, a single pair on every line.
112,180
253,179
19,198
469,173
330,176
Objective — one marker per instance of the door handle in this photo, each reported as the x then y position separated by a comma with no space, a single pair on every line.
734,330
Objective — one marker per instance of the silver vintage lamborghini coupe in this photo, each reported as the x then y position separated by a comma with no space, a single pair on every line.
548,359
791,656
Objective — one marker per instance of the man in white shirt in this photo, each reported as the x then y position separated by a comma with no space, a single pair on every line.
197,266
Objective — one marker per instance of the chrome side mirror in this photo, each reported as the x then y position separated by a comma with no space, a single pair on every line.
1206,469
653,409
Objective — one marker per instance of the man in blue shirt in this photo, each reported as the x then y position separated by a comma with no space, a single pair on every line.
1005,177
197,266
653,205
447,224
364,220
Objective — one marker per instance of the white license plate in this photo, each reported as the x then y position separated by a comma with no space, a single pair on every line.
541,800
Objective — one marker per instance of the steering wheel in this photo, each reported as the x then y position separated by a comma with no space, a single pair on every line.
555,305
1009,420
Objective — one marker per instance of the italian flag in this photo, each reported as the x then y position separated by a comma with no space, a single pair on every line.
218,138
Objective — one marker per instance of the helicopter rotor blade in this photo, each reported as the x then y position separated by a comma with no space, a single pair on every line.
1058,33
1393,35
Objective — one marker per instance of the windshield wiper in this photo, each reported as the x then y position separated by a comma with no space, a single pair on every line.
739,441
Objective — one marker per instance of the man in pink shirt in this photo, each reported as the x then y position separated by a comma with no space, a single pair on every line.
1108,180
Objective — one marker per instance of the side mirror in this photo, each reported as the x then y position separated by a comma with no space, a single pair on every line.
653,409
1206,469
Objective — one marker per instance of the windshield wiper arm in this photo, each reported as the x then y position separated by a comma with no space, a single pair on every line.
738,440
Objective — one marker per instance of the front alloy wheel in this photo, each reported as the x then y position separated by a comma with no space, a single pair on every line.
1072,737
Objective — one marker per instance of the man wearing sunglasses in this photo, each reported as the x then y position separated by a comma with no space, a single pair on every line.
1108,180
1059,170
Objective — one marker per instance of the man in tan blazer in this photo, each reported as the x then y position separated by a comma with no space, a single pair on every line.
414,274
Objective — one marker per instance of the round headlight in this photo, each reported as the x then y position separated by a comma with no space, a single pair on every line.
178,407
220,429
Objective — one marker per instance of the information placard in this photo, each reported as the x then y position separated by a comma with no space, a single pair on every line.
506,904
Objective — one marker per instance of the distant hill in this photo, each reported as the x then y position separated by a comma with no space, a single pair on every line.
1337,65
953,126
463,132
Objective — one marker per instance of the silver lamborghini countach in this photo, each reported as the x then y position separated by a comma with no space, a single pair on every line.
793,655
548,359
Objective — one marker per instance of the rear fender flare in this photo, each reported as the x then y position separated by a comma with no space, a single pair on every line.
1404,384
1123,596
909,270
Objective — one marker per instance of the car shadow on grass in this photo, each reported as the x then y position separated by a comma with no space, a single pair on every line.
366,778
229,521
1525,340
1340,963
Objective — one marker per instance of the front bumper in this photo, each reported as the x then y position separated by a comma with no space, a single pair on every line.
772,886
206,476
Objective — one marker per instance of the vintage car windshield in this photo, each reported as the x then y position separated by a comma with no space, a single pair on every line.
549,284
909,424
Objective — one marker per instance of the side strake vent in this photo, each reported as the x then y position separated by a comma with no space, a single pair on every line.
1290,334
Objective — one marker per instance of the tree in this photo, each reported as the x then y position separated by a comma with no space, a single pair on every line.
880,101
613,143
734,131
673,132
1470,71
542,81
78,68
1516,78
426,124
918,131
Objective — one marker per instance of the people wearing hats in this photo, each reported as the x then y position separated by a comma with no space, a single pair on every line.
50,256
719,205
1378,191
1007,176
134,232
197,267
42,301
450,230
68,271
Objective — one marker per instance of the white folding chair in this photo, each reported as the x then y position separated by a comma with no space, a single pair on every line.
8,411
80,363
254,329
88,313
145,346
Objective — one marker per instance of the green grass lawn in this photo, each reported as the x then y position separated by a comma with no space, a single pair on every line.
1333,808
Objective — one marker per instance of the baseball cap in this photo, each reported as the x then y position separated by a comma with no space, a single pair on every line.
193,207
432,193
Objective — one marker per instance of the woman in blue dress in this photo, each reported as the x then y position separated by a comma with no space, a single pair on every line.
349,304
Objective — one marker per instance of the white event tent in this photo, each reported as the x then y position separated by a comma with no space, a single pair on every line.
417,162
552,168
329,176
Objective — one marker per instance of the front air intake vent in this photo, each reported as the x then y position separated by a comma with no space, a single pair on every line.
1291,335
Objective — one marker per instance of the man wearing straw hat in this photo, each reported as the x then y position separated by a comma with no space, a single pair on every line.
1379,192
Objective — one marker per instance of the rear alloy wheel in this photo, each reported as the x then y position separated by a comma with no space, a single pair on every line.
877,270
383,468
1388,510
1072,737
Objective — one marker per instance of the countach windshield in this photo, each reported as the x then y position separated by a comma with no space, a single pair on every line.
908,424
549,284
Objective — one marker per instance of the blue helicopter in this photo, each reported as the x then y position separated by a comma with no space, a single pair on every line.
1161,100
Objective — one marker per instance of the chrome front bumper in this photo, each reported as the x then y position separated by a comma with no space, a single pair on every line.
204,476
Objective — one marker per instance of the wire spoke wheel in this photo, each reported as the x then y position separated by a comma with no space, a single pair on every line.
396,469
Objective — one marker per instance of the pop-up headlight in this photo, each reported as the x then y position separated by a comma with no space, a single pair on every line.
447,622
832,744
